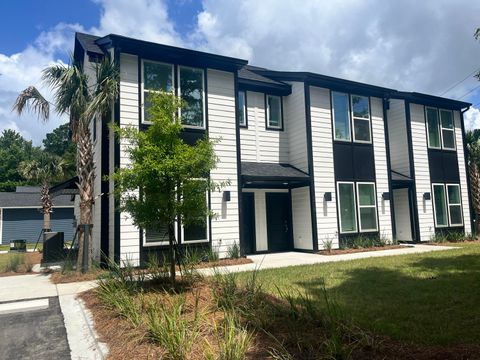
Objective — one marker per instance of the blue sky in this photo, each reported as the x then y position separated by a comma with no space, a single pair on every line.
425,46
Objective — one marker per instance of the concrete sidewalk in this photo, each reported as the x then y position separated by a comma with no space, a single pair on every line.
78,322
279,260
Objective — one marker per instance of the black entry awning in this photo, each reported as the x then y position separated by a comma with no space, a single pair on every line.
254,173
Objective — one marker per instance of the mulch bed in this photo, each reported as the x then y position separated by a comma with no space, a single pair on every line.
359,250
32,258
58,278
126,342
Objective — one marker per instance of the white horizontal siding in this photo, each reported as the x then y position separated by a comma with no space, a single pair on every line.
295,120
258,144
462,172
322,148
422,171
129,116
381,169
302,219
397,137
222,125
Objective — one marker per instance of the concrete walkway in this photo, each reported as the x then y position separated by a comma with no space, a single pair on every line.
279,260
15,292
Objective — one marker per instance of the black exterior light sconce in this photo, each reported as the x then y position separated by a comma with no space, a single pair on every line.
226,196
386,196
327,196
426,196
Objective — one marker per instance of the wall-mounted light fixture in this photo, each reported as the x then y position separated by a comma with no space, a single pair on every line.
426,196
226,196
386,196
327,196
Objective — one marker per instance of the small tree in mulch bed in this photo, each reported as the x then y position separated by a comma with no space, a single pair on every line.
167,180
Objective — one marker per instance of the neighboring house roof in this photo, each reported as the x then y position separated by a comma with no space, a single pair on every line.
27,189
68,187
271,171
30,199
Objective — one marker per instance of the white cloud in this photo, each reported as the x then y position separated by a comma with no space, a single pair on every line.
472,119
421,46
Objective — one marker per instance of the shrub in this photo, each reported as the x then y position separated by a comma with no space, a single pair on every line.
233,251
168,326
211,255
225,290
14,262
234,340
327,245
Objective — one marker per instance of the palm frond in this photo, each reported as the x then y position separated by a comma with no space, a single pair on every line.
106,89
31,99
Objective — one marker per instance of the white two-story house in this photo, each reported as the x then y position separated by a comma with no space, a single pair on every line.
310,158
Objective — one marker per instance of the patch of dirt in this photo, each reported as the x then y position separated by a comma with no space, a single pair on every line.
31,258
359,250
72,276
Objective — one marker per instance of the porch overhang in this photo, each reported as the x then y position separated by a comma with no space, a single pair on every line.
400,181
272,175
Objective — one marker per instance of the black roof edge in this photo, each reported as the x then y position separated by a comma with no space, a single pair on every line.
67,187
269,88
431,100
151,49
326,81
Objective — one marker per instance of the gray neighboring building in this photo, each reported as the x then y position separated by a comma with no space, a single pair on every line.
20,216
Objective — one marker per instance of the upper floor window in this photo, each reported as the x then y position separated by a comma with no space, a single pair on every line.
351,111
274,112
242,108
156,77
192,91
447,205
440,129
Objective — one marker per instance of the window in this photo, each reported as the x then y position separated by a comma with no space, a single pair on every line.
274,112
439,205
351,112
367,206
454,205
447,205
341,116
196,197
447,128
191,89
361,119
242,108
156,77
346,207
158,236
440,129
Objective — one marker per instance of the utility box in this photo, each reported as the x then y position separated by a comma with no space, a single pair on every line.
18,245
53,243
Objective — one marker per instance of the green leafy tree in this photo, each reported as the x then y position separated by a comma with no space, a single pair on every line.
84,98
167,179
45,170
13,150
59,143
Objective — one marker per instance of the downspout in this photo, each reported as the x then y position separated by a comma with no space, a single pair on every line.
386,106
467,174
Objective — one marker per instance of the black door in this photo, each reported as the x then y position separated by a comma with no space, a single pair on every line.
278,222
248,223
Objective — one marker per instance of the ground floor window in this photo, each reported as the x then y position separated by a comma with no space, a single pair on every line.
447,205
193,199
353,201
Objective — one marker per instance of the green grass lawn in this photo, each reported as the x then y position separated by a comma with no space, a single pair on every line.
29,246
431,299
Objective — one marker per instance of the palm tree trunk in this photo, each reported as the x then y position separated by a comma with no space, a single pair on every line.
86,177
47,205
475,193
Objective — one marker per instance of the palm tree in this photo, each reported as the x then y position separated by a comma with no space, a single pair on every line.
84,99
43,171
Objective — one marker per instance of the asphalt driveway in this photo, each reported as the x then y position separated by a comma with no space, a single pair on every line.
30,331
